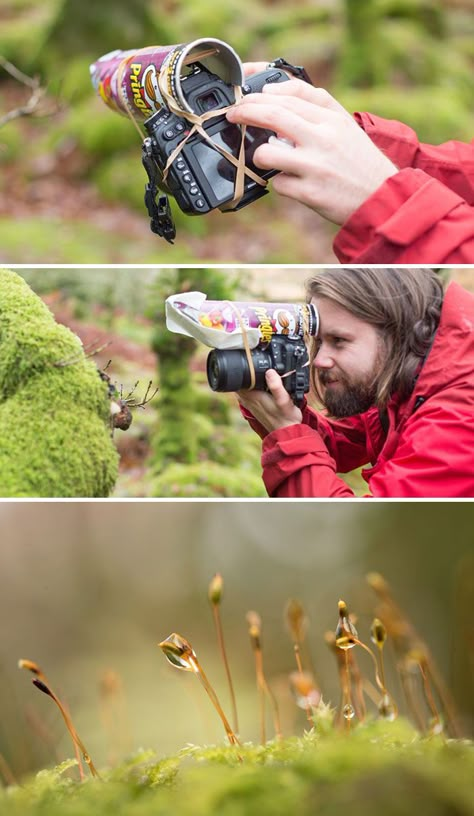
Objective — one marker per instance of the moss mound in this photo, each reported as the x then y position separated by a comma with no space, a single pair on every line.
377,768
54,419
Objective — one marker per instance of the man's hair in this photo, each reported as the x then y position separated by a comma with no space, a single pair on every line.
404,306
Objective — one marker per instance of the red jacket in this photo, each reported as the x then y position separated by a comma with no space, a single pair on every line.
428,449
424,214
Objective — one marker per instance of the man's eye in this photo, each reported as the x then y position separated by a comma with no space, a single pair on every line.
338,341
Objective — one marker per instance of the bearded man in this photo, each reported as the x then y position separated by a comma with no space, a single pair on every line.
393,366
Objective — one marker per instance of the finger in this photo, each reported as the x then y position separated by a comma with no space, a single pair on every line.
285,159
254,68
292,186
277,389
305,91
287,124
309,112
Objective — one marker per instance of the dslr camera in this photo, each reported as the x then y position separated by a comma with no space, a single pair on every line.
228,370
201,179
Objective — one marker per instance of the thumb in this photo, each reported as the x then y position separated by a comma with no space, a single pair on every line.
277,389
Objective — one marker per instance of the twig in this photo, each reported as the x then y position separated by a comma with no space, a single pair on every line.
33,105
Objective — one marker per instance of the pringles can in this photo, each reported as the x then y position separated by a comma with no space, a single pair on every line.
129,81
289,319
221,323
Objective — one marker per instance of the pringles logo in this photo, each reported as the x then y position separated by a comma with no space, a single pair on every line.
265,325
145,90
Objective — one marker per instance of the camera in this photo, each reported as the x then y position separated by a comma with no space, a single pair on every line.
228,370
200,178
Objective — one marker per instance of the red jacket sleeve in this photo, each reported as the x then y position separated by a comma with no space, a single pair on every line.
302,460
433,459
424,213
297,464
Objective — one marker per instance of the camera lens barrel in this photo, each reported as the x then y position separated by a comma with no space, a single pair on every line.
228,370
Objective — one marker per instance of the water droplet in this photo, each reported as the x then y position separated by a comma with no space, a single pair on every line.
436,727
345,634
387,708
348,711
345,629
179,653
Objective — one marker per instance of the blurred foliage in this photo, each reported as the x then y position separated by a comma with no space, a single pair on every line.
54,416
195,451
404,59
96,291
379,767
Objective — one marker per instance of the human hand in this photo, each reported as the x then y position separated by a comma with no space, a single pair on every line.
333,167
254,68
272,410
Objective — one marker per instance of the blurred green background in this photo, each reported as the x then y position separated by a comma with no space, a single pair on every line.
71,181
188,441
92,587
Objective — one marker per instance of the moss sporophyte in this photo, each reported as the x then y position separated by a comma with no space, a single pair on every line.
348,738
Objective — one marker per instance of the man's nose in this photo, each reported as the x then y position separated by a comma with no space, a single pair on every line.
323,359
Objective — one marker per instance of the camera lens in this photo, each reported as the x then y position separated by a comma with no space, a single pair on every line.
227,370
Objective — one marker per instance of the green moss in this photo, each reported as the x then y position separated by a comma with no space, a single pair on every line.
55,434
379,768
207,480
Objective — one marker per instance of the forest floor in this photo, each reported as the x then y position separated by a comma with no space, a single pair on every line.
52,212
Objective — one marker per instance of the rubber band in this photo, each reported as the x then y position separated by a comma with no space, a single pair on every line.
245,339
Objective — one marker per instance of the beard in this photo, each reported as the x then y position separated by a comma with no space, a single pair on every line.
354,399
348,397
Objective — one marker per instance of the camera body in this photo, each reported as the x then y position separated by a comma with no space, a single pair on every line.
201,179
228,370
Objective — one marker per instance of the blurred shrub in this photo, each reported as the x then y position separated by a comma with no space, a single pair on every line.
436,117
207,480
